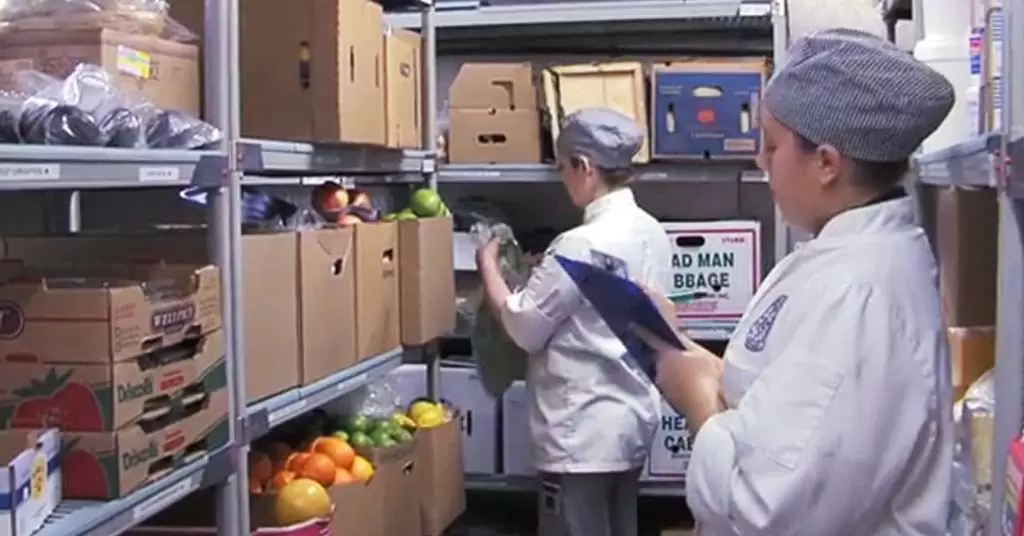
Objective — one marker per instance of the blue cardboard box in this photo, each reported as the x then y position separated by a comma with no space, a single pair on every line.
706,110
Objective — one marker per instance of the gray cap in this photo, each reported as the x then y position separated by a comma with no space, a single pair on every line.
858,93
609,139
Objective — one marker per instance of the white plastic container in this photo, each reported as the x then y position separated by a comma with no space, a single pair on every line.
949,55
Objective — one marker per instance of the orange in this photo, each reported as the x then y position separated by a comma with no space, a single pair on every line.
301,500
279,452
362,470
320,468
295,461
335,448
343,477
260,467
280,480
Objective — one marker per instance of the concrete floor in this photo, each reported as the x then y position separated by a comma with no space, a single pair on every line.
515,514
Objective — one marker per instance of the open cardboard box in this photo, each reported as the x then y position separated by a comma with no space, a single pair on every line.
441,476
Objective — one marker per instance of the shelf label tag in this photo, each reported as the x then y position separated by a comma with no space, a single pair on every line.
29,172
287,411
159,174
165,498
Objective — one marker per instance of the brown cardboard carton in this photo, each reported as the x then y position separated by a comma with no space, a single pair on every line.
403,88
164,72
498,86
377,258
362,506
105,397
327,302
269,283
966,239
321,77
102,314
493,136
395,469
106,465
442,485
426,280
972,352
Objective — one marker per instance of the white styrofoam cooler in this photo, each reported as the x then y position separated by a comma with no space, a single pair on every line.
516,452
670,452
461,387
716,269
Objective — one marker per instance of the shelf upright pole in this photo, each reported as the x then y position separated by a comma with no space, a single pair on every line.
222,103
430,133
783,238
1009,370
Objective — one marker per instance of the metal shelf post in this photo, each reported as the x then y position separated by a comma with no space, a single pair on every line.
430,133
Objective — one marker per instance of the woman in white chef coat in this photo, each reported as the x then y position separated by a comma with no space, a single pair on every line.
830,414
592,412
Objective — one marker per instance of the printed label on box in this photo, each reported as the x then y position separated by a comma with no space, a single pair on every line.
670,453
716,268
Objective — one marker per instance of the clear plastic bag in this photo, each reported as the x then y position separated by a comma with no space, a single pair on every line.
972,470
141,17
499,359
378,400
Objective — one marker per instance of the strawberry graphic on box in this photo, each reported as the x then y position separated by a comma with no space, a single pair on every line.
57,400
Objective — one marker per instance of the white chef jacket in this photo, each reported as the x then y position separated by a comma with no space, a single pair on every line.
838,380
591,410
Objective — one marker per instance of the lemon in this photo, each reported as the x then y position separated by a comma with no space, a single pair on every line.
419,407
431,418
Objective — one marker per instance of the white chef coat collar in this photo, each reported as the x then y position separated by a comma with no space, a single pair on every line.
888,215
622,197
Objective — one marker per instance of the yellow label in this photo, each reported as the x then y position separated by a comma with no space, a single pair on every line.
37,482
134,62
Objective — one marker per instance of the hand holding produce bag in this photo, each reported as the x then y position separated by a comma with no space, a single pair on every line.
498,358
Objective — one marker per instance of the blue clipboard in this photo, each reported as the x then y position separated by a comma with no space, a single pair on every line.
622,304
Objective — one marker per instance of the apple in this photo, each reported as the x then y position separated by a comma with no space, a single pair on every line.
347,220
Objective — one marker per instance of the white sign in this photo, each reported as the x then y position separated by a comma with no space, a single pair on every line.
29,172
670,453
159,174
716,268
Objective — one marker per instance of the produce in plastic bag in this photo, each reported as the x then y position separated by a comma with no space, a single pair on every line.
499,359
972,470
142,17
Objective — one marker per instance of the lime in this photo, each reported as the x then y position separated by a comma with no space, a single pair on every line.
381,437
359,423
361,439
426,203
341,434
406,214
401,435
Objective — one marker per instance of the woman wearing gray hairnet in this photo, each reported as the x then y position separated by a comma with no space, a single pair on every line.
592,412
831,412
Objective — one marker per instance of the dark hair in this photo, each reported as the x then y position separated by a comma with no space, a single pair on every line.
612,178
880,176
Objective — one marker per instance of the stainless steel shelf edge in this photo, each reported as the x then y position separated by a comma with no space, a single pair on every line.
655,172
522,484
261,157
585,12
281,408
968,164
29,167
89,518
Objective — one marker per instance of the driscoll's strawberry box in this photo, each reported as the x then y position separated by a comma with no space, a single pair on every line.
102,314
100,398
108,465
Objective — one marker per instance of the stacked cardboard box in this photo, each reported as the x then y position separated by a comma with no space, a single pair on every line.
128,361
493,115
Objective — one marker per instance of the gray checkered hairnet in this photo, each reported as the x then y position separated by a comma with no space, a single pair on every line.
859,93
609,139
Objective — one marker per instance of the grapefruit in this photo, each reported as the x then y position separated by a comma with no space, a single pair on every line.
338,450
426,203
280,480
301,500
362,470
320,468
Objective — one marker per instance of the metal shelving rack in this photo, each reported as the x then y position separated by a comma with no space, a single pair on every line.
222,172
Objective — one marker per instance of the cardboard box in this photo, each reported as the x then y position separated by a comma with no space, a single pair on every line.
377,307
493,115
107,465
106,397
164,72
493,136
966,243
516,441
478,411
704,110
403,88
972,353
716,269
327,302
102,314
426,280
30,488
670,452
396,469
269,284
442,493
619,86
